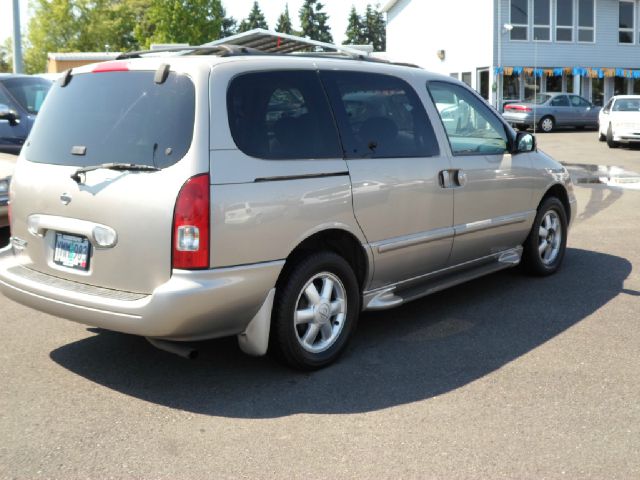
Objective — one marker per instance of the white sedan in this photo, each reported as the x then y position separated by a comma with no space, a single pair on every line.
619,120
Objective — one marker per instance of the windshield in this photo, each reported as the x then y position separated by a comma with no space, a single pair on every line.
29,92
627,105
109,117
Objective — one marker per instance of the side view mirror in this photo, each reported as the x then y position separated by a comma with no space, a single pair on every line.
7,114
524,142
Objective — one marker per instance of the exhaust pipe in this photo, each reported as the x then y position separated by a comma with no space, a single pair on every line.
177,348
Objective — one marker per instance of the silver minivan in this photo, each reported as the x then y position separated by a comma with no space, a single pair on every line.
222,192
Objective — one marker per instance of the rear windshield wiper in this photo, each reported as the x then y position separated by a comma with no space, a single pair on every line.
76,176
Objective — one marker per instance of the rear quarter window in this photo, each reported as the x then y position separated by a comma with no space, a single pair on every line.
118,117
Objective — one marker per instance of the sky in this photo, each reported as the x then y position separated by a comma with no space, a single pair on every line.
338,11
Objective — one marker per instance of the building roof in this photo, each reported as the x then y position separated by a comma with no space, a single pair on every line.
82,56
275,42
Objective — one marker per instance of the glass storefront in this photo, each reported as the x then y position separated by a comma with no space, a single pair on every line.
636,86
531,86
553,84
619,86
511,87
597,91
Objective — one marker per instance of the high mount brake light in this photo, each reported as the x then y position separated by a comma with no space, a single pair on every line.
191,224
115,66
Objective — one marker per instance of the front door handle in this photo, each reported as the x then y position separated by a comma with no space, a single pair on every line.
454,178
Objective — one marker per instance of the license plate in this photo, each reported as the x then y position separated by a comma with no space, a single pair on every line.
72,251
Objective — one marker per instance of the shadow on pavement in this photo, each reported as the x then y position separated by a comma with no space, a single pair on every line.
426,348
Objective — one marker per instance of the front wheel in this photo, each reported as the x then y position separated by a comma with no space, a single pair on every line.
546,244
610,142
315,312
547,124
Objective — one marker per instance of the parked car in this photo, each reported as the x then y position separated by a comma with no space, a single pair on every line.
133,203
551,110
7,165
619,120
21,97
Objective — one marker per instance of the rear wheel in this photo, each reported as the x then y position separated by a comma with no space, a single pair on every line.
315,312
545,246
610,141
547,124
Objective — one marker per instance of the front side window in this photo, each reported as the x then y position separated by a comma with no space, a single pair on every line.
564,20
586,20
607,107
542,20
281,115
379,116
519,18
115,117
626,21
471,126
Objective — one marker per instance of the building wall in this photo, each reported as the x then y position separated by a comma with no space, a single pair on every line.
418,29
604,53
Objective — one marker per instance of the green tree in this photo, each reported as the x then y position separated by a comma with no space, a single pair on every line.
229,25
181,21
284,24
354,32
254,20
374,28
6,52
314,21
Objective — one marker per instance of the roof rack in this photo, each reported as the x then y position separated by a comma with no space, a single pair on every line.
222,50
266,42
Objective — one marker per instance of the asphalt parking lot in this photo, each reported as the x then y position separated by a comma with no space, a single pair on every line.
504,377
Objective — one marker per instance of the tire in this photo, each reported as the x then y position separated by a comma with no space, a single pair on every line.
544,248
610,141
522,127
328,318
547,124
601,136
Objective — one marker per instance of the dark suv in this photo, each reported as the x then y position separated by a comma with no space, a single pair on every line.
20,99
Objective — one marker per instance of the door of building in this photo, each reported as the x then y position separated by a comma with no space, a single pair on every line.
482,82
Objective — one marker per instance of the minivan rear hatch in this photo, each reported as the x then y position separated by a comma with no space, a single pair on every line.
106,159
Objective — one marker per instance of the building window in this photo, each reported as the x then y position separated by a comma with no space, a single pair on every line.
626,21
519,18
569,82
597,91
553,84
586,20
454,75
542,20
466,78
564,20
619,86
531,87
636,87
511,87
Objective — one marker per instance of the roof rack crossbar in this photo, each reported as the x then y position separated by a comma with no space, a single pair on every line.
223,50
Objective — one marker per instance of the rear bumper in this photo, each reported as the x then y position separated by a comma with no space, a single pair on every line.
521,118
192,305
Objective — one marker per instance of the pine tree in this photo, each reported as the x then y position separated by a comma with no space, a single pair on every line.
229,25
374,28
254,20
314,22
354,29
284,22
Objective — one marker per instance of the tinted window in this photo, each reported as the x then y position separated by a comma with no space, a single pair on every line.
559,101
379,116
281,115
29,92
577,101
470,124
118,117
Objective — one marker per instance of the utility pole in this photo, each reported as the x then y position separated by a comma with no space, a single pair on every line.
17,39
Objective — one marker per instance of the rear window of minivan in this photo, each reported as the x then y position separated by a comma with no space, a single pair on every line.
122,117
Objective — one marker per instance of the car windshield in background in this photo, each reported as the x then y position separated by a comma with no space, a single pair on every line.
29,92
627,106
122,117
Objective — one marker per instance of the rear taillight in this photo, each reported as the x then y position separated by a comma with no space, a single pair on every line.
191,224
518,108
